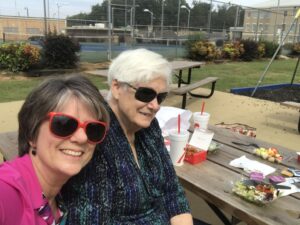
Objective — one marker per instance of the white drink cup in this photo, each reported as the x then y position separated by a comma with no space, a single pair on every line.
201,120
178,142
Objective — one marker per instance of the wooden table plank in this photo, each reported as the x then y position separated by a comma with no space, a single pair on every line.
183,64
213,179
9,145
176,65
211,182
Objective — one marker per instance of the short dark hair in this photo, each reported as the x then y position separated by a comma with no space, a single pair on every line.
51,95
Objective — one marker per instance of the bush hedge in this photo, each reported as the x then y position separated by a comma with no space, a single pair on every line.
59,51
17,57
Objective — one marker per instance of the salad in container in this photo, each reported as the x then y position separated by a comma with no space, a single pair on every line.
259,193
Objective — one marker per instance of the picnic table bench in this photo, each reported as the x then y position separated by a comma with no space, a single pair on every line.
294,105
179,66
184,90
9,145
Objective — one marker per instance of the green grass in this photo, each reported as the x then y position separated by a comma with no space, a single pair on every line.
231,74
17,89
247,74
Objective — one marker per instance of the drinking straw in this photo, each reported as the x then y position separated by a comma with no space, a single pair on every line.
202,108
178,123
182,156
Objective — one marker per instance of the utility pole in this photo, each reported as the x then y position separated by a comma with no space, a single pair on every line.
257,25
27,13
109,29
48,8
236,22
275,25
178,18
162,19
125,14
209,20
45,18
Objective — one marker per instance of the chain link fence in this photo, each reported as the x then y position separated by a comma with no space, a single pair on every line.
102,39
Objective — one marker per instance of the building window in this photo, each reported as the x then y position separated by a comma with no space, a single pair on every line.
33,31
248,27
10,30
254,27
249,14
265,15
266,27
254,14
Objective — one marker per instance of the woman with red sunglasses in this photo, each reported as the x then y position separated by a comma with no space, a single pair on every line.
131,179
60,123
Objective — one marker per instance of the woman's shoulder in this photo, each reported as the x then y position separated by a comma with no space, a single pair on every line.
9,193
14,169
11,203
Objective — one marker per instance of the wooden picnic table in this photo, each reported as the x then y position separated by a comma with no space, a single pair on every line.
178,67
212,181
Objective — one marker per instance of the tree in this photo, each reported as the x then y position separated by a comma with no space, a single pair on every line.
223,16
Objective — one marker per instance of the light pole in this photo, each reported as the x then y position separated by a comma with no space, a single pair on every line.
275,24
189,13
48,8
151,13
112,19
45,18
58,7
27,13
209,19
109,29
178,18
162,18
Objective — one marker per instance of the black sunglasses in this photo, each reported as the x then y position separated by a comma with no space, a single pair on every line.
63,126
145,94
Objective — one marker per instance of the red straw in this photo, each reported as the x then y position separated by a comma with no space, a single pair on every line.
202,108
182,156
178,123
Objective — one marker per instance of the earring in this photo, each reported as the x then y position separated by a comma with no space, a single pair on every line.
33,151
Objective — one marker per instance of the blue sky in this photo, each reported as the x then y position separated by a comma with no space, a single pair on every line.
69,7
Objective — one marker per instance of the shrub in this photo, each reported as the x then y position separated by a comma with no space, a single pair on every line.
59,51
19,57
261,49
203,50
270,48
219,42
251,50
296,49
232,50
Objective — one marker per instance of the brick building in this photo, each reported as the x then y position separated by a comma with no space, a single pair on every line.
18,28
271,20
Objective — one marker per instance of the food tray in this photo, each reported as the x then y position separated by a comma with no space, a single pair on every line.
259,193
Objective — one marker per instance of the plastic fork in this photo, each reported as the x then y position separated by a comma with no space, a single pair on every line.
251,144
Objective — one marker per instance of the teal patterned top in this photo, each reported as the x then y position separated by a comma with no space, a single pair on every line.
113,190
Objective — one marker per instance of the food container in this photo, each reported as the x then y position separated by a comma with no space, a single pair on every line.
195,157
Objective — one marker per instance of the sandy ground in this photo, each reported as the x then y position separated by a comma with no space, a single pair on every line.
275,123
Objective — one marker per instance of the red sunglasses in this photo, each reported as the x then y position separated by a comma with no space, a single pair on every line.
64,126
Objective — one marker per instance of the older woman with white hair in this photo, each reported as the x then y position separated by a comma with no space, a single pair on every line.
131,179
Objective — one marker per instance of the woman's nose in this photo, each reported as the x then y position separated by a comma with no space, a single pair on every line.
154,104
79,136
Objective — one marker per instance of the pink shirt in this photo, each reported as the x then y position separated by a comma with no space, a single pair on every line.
21,195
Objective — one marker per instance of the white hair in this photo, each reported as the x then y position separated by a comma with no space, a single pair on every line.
139,65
